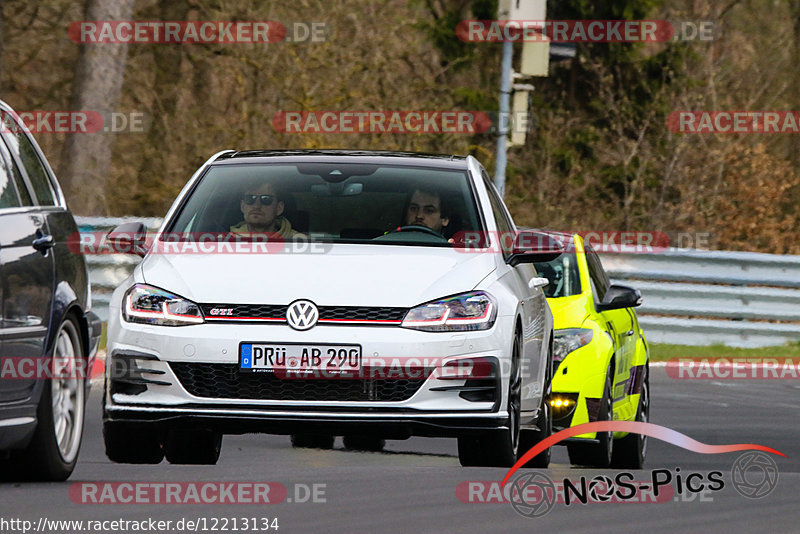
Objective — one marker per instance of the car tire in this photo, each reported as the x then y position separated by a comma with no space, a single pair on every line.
193,447
530,438
498,448
597,454
312,441
631,451
364,443
53,450
131,444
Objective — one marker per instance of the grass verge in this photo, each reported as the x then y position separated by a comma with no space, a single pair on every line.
661,352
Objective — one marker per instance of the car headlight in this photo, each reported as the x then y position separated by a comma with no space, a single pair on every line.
475,310
568,340
151,305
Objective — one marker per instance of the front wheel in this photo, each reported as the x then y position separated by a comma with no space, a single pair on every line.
544,425
597,454
312,441
630,451
498,448
53,451
197,447
364,443
131,444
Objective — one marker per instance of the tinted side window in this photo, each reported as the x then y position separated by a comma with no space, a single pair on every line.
8,191
563,275
598,275
503,224
22,148
10,170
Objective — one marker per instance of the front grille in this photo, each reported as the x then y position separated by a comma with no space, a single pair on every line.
244,311
225,381
360,313
277,313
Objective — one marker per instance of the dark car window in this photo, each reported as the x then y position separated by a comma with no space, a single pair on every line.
597,274
563,275
504,226
22,147
10,172
8,192
364,207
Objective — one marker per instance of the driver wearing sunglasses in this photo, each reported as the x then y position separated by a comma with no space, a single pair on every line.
263,214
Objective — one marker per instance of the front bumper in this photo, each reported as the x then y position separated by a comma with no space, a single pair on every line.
392,425
437,407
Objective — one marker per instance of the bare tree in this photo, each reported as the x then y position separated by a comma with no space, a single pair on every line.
1,35
167,61
99,73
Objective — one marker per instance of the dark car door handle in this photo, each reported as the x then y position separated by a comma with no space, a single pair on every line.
43,243
628,333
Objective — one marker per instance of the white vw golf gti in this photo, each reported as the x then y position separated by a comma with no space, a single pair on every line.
369,295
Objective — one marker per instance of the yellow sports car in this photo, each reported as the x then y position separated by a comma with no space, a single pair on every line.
600,356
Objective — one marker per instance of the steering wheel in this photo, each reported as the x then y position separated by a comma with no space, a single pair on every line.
417,228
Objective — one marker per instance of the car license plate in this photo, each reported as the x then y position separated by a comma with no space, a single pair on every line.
299,357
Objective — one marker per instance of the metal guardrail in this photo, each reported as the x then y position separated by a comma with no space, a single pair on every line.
694,297
690,297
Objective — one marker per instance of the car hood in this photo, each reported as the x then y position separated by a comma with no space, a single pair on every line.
568,312
344,275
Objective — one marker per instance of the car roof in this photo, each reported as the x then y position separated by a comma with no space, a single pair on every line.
379,157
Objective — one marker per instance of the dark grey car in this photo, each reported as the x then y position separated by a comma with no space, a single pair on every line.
48,335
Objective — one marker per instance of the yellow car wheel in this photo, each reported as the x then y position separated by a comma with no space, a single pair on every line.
598,453
630,451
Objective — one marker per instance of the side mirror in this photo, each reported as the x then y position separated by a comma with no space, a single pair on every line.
618,297
532,247
128,238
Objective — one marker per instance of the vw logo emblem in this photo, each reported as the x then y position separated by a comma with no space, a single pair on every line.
302,314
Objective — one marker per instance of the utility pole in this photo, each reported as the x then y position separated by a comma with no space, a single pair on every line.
502,130
534,63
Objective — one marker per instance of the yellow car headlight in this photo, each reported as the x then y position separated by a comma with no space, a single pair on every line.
569,340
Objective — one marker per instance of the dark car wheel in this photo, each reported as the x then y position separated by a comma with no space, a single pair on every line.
128,443
597,454
313,441
197,447
630,451
364,443
131,444
530,438
53,451
498,448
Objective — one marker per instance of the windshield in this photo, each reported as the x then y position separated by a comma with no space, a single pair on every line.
332,202
563,275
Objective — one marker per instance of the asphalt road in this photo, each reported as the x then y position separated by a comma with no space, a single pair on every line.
413,485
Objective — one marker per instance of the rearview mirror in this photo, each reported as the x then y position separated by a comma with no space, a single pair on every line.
128,238
336,172
619,297
530,247
337,189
